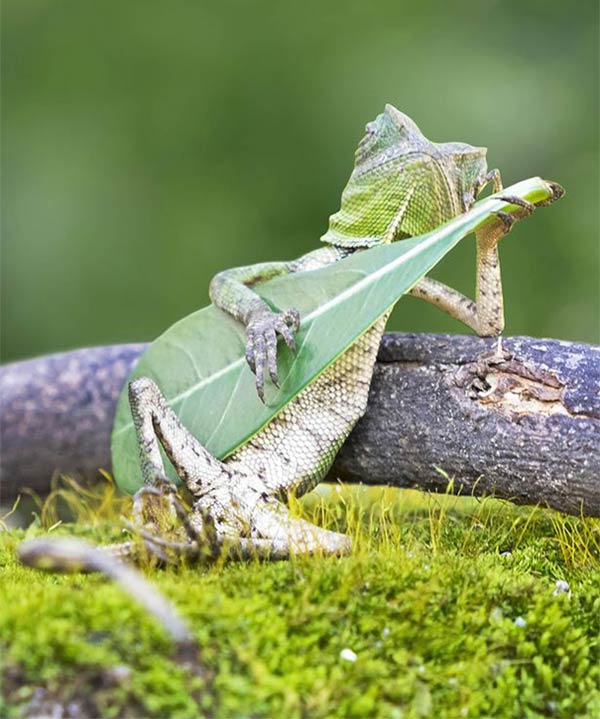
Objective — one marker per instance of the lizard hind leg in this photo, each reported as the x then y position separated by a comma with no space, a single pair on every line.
157,424
489,309
285,535
226,503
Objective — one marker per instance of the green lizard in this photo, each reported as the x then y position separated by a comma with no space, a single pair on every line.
402,185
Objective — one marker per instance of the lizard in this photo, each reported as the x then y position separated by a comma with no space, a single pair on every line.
402,185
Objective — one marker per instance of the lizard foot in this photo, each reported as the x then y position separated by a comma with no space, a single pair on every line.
237,520
168,531
508,219
261,349
154,505
285,537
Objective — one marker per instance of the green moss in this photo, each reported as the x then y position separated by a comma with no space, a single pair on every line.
449,605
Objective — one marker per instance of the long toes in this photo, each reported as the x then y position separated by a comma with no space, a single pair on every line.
210,534
344,545
292,318
288,337
140,499
155,551
259,368
251,353
337,543
271,346
322,540
184,518
557,191
261,346
146,490
507,220
307,538
162,486
519,201
153,502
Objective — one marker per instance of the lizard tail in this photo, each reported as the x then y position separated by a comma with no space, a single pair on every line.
73,555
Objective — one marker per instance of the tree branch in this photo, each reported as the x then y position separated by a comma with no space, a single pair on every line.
525,427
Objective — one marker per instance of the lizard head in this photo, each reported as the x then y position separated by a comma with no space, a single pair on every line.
403,184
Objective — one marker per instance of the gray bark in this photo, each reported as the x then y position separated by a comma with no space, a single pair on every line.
525,428
56,414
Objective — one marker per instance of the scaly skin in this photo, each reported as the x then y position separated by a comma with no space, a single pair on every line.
402,185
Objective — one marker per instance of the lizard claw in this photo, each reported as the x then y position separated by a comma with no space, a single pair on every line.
509,218
529,207
261,348
148,502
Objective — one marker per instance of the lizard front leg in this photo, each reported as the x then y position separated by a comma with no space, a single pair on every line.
485,315
231,291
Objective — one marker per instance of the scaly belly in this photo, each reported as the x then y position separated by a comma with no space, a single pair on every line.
296,449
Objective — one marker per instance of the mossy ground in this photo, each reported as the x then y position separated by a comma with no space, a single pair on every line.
448,604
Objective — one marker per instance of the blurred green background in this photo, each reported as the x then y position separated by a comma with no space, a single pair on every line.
147,145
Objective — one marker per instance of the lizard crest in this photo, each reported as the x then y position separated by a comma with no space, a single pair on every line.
403,184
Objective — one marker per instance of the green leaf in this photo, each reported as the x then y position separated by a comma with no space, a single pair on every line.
199,362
